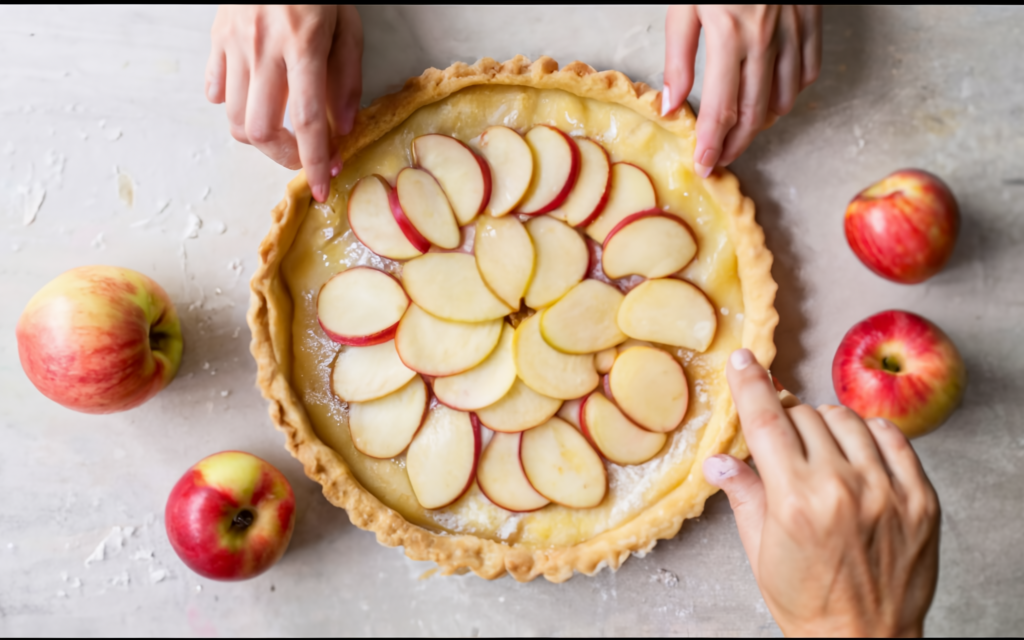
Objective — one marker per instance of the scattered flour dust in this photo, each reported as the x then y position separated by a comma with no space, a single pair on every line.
111,545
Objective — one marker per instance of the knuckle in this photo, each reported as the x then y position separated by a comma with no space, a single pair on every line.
725,118
307,115
769,421
259,134
238,133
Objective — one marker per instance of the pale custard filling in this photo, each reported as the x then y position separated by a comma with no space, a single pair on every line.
324,245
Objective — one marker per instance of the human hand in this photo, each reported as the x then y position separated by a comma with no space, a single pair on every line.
842,526
308,57
759,57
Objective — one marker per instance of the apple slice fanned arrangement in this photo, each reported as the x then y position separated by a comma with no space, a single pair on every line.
541,329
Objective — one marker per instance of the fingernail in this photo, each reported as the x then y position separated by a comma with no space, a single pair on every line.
741,359
666,100
719,468
705,164
336,168
885,424
319,193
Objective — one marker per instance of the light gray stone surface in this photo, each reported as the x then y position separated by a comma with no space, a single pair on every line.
87,94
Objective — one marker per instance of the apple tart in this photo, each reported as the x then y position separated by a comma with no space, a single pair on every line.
501,342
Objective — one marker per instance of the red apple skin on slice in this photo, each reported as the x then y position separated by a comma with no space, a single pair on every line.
614,435
383,428
562,466
651,244
464,176
649,386
505,257
442,458
434,347
372,221
561,261
361,374
425,206
449,286
511,164
590,193
361,306
584,320
484,384
556,165
547,370
631,192
520,409
415,238
501,478
669,311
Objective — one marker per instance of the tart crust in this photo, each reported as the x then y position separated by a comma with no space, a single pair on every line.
270,317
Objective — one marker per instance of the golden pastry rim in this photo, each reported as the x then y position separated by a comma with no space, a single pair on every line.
461,553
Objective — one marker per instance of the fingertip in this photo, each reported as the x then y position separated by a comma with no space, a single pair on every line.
740,359
719,468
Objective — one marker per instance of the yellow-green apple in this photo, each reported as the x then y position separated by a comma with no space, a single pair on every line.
904,226
899,366
230,517
100,339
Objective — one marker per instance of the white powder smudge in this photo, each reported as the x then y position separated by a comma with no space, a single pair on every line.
665,577
157,575
33,197
161,206
192,226
206,193
220,228
98,242
110,545
508,527
120,580
142,554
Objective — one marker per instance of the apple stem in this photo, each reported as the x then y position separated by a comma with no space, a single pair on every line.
890,364
243,520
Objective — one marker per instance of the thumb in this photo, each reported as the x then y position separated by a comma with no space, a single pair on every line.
746,497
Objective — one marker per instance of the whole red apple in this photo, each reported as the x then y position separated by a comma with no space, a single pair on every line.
100,339
904,227
899,366
231,516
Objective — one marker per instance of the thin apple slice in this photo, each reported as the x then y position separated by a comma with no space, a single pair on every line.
442,458
436,347
423,204
501,477
632,192
614,435
590,194
371,219
562,466
520,409
556,164
384,427
562,261
505,257
464,176
584,320
669,311
604,360
570,411
361,306
547,370
511,163
449,286
629,344
484,384
649,385
651,244
362,374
